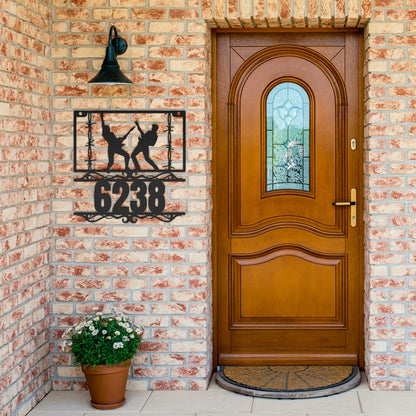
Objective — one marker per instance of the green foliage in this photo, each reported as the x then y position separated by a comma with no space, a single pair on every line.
100,339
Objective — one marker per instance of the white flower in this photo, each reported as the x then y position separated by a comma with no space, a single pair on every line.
99,313
95,332
66,344
117,345
67,333
109,337
95,309
129,330
125,338
117,333
139,331
91,328
118,318
79,332
104,331
132,336
96,319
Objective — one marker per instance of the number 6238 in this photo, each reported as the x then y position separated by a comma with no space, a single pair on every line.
143,197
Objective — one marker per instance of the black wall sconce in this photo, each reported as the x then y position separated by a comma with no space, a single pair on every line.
110,72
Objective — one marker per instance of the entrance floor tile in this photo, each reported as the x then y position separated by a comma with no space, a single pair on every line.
348,402
251,414
388,402
218,402
208,401
77,403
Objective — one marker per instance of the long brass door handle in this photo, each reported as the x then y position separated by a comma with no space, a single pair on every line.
352,204
343,204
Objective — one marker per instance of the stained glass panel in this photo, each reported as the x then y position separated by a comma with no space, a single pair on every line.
288,114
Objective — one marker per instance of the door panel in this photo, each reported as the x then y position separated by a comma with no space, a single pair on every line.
252,206
288,262
274,299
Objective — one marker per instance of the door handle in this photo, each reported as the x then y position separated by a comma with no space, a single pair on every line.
352,204
343,204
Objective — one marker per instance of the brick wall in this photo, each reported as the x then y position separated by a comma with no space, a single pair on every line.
25,193
390,195
159,273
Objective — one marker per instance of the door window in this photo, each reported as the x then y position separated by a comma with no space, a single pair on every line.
287,124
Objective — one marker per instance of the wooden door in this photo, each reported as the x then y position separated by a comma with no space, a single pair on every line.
288,261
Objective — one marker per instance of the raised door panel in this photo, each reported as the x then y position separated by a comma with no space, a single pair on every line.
287,286
255,209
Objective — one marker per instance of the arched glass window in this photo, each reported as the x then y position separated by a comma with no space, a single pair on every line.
288,114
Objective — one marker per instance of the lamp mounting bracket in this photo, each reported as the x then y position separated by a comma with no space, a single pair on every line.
119,44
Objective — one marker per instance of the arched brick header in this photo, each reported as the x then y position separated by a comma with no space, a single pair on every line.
286,13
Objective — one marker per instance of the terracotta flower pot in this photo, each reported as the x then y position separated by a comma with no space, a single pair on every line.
107,384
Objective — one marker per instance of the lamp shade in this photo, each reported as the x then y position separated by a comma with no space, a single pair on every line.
110,72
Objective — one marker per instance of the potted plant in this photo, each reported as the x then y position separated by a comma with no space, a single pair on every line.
104,346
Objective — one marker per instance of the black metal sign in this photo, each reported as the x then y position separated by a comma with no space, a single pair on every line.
132,156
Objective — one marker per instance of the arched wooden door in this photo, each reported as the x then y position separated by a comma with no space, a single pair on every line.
288,199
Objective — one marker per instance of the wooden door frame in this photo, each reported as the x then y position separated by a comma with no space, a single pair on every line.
215,198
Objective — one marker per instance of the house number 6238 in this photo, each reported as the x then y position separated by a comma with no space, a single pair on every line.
144,197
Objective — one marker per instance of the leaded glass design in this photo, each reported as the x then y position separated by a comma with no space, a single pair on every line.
288,114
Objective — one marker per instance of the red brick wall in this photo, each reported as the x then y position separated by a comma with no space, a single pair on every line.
25,211
390,195
159,273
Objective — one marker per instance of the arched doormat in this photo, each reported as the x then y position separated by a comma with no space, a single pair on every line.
288,382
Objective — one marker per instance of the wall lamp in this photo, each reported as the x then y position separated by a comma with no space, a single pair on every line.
110,72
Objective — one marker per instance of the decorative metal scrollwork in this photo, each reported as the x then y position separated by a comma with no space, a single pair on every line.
129,176
130,217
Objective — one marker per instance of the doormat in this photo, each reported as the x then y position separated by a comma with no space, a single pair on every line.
288,381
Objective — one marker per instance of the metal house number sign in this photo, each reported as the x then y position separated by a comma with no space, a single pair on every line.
132,156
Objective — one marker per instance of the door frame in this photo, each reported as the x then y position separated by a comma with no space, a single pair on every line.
215,175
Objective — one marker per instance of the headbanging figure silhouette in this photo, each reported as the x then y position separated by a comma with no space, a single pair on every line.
145,141
115,145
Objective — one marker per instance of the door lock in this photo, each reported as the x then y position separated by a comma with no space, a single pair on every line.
352,204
